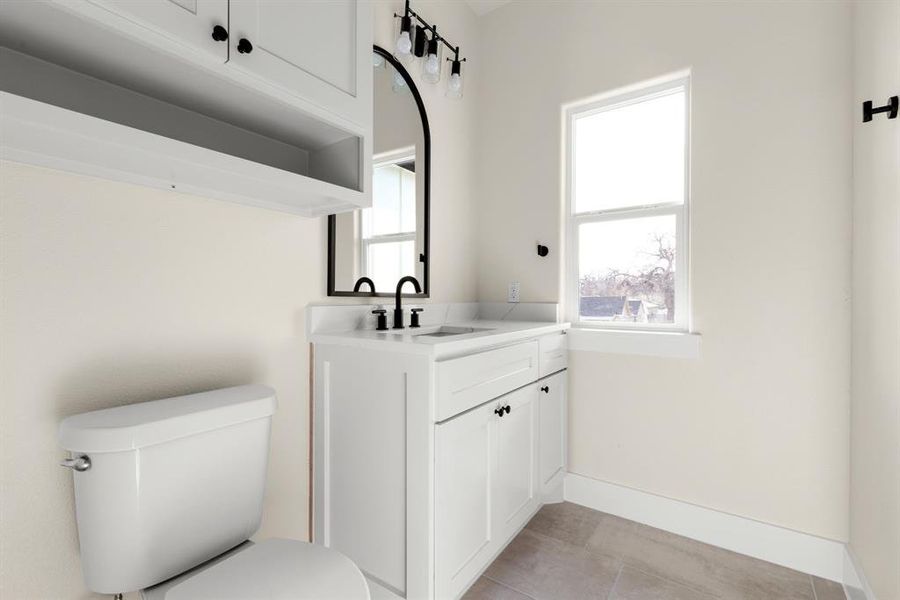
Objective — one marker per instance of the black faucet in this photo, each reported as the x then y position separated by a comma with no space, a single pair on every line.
398,309
364,280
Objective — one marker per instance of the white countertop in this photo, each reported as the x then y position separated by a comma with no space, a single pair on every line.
416,341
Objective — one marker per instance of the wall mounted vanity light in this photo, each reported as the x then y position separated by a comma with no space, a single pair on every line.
417,39
431,66
455,82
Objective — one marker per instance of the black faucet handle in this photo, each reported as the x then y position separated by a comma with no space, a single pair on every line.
414,316
382,319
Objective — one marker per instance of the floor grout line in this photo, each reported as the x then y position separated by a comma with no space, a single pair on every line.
683,584
813,585
509,587
615,582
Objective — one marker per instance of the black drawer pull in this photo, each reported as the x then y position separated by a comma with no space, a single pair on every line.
545,389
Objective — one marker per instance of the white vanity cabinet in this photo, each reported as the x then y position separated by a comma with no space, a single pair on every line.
465,473
483,434
552,435
484,485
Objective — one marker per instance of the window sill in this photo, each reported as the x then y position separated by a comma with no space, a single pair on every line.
666,344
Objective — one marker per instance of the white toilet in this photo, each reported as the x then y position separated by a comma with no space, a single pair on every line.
168,492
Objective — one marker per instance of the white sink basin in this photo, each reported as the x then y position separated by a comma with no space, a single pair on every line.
445,330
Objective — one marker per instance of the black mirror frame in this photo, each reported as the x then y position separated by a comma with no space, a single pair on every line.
425,257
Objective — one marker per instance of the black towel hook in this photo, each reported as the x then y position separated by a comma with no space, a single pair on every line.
891,108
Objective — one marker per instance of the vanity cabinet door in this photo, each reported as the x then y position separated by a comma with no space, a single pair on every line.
464,470
552,438
319,51
515,489
187,23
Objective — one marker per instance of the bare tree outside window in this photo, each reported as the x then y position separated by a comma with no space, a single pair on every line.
652,284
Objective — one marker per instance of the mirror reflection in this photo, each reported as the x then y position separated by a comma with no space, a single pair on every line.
383,243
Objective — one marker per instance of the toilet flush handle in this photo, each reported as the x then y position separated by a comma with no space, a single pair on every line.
80,463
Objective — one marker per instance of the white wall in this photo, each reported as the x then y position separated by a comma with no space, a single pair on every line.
875,433
758,427
114,293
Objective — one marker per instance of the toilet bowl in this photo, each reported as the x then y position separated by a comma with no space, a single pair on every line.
168,493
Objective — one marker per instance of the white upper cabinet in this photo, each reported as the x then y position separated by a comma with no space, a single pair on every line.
190,23
267,103
309,48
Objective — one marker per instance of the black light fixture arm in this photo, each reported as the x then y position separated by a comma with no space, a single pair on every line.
409,12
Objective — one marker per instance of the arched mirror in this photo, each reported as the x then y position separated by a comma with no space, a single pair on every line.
376,246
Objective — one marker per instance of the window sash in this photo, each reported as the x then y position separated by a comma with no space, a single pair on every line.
382,239
574,220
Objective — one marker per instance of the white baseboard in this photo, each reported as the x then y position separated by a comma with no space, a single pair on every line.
793,549
855,584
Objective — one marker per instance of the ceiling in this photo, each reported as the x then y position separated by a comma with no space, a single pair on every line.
483,7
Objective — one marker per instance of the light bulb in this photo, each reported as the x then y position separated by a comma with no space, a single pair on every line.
404,44
455,83
399,82
432,65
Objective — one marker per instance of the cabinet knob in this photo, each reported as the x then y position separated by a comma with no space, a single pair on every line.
545,389
220,34
244,46
499,411
508,409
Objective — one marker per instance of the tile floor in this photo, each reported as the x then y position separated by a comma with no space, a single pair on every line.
569,552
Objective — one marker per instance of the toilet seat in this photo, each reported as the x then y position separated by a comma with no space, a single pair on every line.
275,569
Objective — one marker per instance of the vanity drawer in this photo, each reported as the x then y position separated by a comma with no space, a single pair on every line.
554,353
462,383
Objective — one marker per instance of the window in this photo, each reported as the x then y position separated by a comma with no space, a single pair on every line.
628,182
388,228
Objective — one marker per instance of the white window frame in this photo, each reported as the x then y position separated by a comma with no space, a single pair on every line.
380,160
610,101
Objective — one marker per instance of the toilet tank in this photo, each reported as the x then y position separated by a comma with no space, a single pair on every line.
172,483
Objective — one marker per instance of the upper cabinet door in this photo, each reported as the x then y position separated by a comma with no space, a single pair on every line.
320,50
188,23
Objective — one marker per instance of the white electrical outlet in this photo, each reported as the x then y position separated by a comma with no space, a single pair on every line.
513,294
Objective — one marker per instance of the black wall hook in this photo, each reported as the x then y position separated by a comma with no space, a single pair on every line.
543,250
891,108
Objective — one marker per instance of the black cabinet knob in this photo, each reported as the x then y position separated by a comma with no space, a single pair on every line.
545,389
498,411
244,46
508,409
220,34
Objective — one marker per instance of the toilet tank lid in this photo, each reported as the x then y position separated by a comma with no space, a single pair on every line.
146,423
